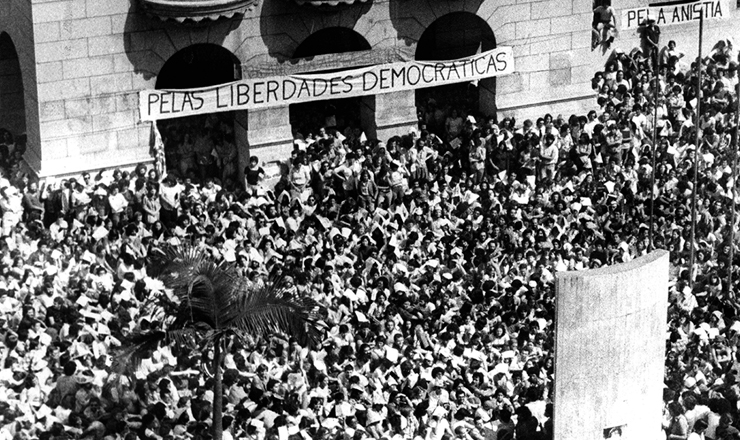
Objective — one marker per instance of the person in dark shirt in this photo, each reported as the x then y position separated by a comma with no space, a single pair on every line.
598,253
253,174
67,384
32,205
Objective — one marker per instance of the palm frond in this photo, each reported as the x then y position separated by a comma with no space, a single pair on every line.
185,337
202,284
138,346
169,260
214,298
212,292
272,308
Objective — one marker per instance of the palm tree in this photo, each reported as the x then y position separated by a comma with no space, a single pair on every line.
212,305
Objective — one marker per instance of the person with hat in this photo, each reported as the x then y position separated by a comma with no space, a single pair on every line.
84,391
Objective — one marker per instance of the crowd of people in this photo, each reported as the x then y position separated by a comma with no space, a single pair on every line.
433,255
202,147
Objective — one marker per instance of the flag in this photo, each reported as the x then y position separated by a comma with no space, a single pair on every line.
157,150
477,52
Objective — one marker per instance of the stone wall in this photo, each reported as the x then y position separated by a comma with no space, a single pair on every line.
610,330
552,53
86,87
86,59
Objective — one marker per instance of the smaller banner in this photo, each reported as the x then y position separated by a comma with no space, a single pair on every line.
255,93
676,12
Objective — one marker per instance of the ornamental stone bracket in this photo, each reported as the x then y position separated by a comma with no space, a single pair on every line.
329,4
196,10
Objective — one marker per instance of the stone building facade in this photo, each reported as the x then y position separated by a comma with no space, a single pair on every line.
71,70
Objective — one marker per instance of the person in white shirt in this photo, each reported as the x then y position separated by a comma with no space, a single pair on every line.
670,51
300,177
592,122
59,228
620,80
209,191
520,193
548,157
11,207
640,121
117,203
170,200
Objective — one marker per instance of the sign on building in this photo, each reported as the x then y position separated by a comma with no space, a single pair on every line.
279,91
675,12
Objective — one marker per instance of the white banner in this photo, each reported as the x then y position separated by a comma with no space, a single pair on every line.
676,12
279,91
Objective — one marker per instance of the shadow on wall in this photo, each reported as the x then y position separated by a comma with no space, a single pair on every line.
284,24
149,42
411,18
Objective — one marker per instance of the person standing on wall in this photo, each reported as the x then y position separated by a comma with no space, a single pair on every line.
604,25
650,36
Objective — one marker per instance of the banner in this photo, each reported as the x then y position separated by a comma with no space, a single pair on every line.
264,65
675,12
278,91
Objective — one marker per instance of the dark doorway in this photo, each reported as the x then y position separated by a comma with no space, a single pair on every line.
204,146
452,36
12,102
345,115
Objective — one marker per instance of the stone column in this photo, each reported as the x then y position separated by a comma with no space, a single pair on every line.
487,96
241,139
395,114
269,137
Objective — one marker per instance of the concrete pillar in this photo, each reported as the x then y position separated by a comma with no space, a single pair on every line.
241,140
269,137
487,96
395,114
610,329
367,116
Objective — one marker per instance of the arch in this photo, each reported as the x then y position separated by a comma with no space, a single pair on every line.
203,146
284,24
452,36
331,40
344,113
12,100
455,35
199,65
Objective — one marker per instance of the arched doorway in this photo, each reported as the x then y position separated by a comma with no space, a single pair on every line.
204,146
12,102
452,36
343,114
331,40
